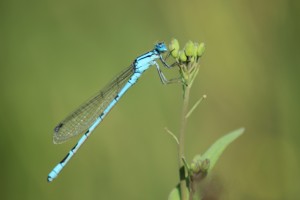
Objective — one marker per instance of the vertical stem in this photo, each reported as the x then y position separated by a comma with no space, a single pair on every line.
187,60
182,176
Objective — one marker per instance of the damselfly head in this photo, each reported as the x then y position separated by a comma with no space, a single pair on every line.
161,47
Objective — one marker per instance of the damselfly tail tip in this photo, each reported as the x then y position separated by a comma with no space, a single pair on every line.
49,179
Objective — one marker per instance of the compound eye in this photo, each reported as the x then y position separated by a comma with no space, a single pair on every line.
161,47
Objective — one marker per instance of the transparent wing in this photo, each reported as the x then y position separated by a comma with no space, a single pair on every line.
81,119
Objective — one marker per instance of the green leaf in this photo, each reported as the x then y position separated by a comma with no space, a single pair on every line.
215,151
212,154
175,193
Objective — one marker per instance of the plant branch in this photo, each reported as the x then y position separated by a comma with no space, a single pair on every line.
182,173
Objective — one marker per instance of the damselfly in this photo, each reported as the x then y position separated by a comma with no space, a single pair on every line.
88,116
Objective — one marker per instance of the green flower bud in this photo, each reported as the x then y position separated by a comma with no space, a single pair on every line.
196,164
195,167
182,56
174,45
200,165
175,53
196,45
205,165
189,48
200,49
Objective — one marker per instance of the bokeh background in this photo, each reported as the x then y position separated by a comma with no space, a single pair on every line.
55,54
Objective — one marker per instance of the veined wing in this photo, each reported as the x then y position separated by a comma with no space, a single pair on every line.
81,119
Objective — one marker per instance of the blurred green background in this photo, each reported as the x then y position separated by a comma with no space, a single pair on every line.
55,54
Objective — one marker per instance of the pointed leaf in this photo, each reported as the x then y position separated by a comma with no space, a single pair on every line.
176,195
215,151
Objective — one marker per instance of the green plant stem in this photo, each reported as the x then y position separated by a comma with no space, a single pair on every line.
182,173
